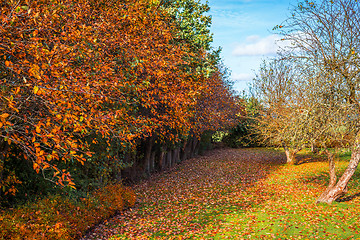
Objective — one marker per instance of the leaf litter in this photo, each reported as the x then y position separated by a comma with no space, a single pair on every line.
234,194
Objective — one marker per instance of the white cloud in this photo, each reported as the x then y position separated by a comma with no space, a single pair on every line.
242,77
256,46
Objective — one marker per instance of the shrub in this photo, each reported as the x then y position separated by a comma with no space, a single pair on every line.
59,217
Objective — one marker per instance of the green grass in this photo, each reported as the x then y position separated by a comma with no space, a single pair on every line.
291,213
280,205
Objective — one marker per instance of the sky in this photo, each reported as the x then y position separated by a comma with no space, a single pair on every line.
243,29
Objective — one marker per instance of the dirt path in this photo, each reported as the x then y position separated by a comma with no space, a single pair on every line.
190,200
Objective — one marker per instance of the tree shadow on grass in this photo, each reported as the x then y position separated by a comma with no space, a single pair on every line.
348,198
302,159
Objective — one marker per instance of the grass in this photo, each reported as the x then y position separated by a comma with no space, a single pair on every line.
242,194
291,213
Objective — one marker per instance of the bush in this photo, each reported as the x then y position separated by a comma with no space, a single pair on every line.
245,133
58,217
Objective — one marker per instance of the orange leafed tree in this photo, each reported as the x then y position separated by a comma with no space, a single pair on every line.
71,69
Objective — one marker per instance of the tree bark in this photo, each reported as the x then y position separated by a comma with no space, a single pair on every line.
162,160
168,159
177,155
152,161
192,149
332,174
186,150
291,155
314,149
196,143
147,156
4,148
340,188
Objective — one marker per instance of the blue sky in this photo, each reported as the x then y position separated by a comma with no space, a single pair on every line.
243,28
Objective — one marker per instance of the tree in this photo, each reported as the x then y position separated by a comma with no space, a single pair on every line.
325,36
244,134
89,82
66,76
278,121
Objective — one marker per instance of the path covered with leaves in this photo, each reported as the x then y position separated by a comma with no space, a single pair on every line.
235,194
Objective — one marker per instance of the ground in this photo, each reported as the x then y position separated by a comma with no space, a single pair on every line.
237,194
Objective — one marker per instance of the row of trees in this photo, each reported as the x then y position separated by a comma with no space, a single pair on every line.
310,91
90,87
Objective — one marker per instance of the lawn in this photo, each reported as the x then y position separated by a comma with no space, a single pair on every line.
238,194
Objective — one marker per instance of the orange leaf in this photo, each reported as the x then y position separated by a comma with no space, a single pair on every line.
4,115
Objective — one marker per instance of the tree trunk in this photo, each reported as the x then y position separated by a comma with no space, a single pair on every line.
332,174
168,159
162,160
191,147
177,155
186,150
147,156
291,155
4,148
338,190
195,146
152,161
314,149
171,157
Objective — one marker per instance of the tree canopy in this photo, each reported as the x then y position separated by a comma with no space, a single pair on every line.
82,73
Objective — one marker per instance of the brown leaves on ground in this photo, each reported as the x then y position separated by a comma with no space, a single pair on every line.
187,201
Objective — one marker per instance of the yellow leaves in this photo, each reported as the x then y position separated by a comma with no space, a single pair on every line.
17,90
37,129
7,63
36,89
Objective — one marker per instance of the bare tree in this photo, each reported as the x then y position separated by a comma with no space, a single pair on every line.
279,122
325,37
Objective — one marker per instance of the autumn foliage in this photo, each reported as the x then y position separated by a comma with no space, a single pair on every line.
87,85
72,70
57,217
